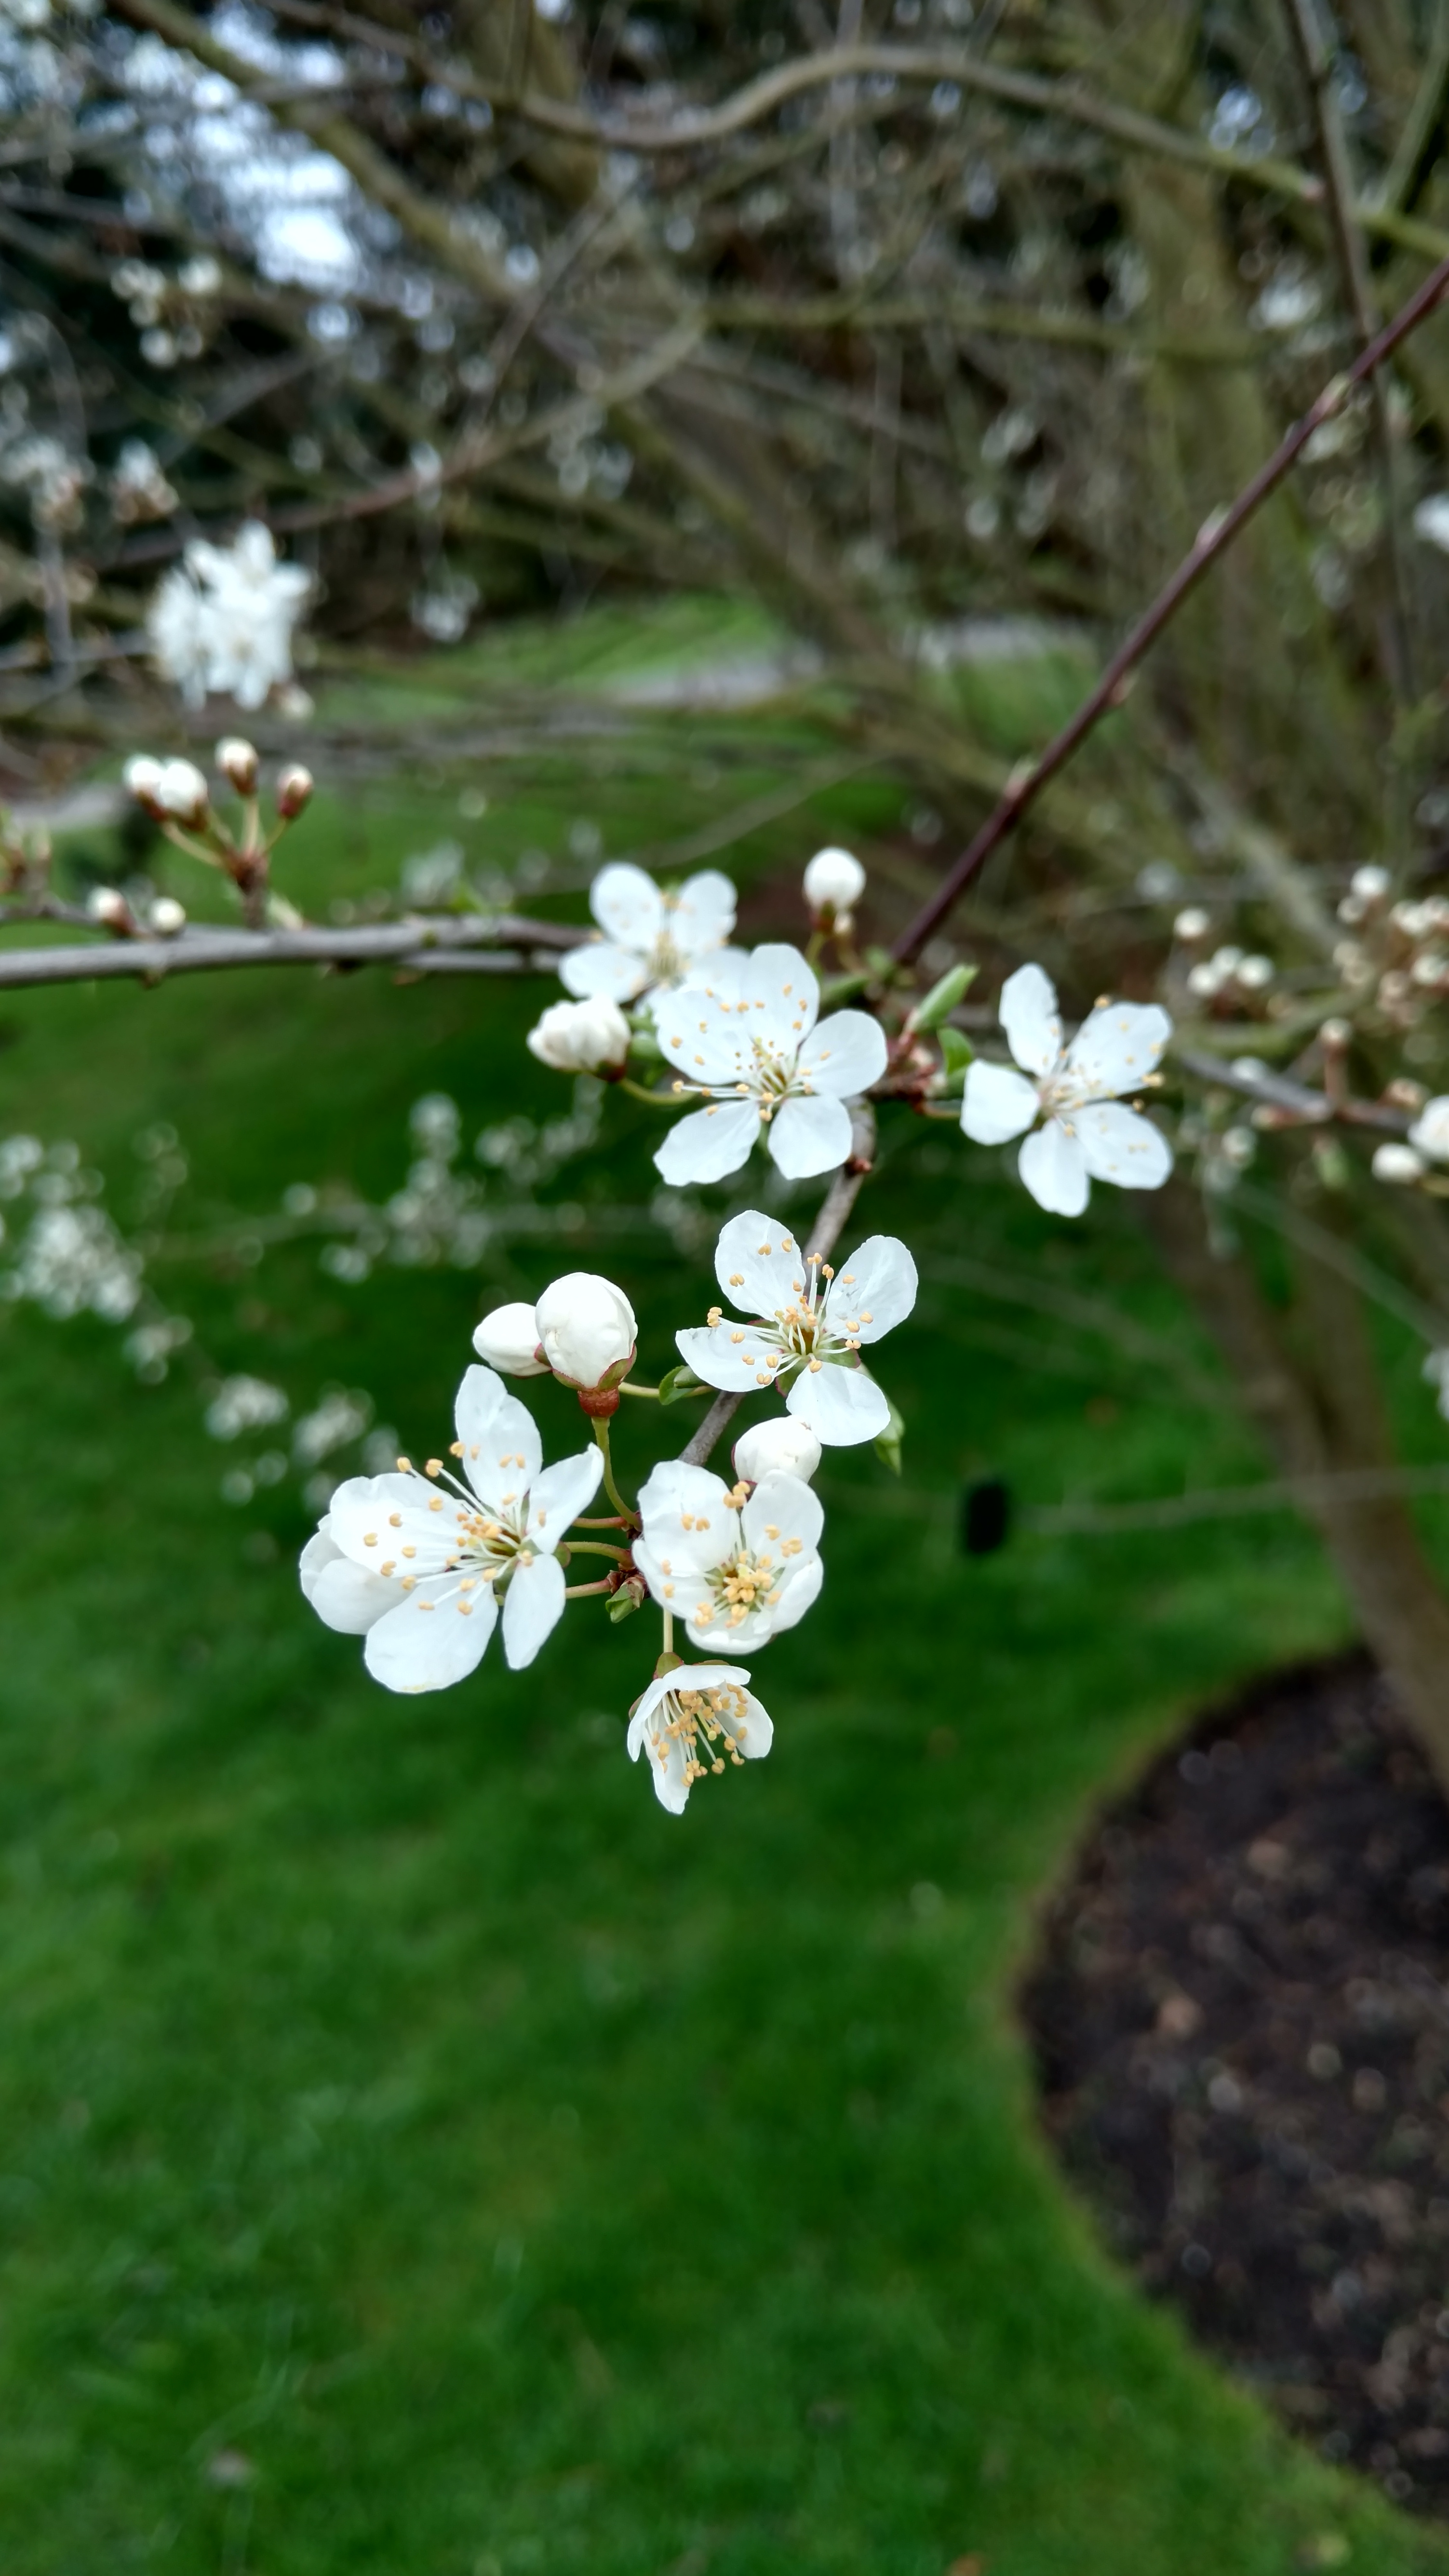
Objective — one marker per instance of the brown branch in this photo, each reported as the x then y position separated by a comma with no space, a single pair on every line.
505,945
839,1199
1213,540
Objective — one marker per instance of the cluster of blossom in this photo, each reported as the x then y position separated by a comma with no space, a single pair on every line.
68,1259
52,477
150,297
1397,955
220,623
137,488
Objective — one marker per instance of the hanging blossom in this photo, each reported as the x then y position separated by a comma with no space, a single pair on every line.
695,1720
653,937
221,621
420,1564
723,1559
810,1321
1087,1134
752,1048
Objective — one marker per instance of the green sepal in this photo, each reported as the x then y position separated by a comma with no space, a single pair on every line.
677,1382
888,1446
956,1053
630,1597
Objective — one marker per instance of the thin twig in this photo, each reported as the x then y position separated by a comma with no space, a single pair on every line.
1213,540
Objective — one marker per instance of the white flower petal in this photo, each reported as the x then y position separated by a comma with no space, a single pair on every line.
350,1600
703,914
435,1637
703,1033
799,1592
559,1495
874,1290
841,1405
809,1136
502,1451
782,1508
998,1103
781,994
846,1054
374,1518
320,1551
615,974
715,1355
759,1264
710,1144
1116,1049
1031,1020
1054,1168
687,1521
627,906
1118,1145
532,1608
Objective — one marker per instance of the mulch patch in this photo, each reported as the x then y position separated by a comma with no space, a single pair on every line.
1241,2018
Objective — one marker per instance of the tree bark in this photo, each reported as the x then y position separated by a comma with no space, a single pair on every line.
1313,1393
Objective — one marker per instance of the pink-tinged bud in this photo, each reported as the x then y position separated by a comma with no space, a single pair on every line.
294,792
181,793
508,1341
142,777
237,762
105,905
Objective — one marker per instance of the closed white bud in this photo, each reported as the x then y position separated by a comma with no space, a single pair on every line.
780,1447
834,881
581,1037
586,1330
237,762
142,777
181,791
1370,884
105,904
1191,925
294,791
1397,1163
508,1340
1205,980
167,916
1255,972
1430,1130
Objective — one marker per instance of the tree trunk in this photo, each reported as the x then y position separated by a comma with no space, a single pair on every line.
1314,1396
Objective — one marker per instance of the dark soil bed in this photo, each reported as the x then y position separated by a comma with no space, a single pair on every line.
1241,2016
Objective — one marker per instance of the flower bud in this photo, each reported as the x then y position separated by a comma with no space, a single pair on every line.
1397,1163
167,916
142,777
237,762
508,1340
1430,1130
586,1331
294,792
1191,926
1255,972
581,1037
105,904
181,792
1370,885
782,1446
834,880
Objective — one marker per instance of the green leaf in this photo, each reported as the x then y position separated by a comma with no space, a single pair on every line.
943,997
677,1382
956,1052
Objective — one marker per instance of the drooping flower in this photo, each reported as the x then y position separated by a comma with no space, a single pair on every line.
447,1554
653,937
782,1445
740,1567
581,1037
810,1323
752,1048
1087,1134
695,1720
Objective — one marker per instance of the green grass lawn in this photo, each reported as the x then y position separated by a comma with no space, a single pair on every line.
420,2154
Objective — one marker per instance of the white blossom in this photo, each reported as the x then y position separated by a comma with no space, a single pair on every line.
243,1404
1087,1134
1430,1130
221,621
719,1559
586,1329
783,1445
1431,520
1397,1163
694,1720
508,1340
138,489
180,791
809,1324
653,937
446,1556
834,884
581,1037
752,1048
